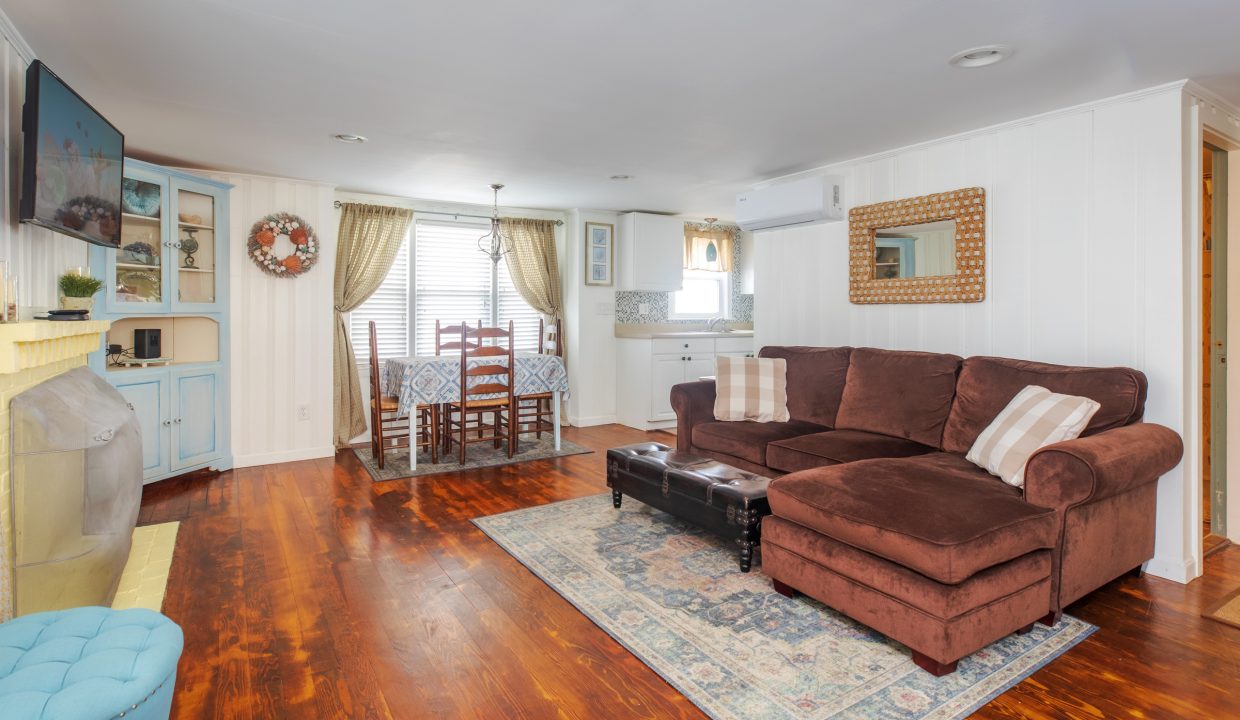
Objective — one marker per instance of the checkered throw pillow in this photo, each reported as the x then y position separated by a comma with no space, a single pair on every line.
751,389
1035,418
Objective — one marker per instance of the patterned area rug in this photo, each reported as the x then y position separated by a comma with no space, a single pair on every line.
1226,610
396,462
672,594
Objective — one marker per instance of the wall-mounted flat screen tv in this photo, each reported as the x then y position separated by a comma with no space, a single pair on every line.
71,174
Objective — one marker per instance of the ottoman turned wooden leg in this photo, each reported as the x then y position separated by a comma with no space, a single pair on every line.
615,498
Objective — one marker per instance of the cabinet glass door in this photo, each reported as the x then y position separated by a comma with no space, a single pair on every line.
195,248
139,279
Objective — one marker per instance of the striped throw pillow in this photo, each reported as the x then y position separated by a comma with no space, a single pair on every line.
751,389
1035,418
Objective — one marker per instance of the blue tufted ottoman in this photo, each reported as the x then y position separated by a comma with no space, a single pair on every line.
88,663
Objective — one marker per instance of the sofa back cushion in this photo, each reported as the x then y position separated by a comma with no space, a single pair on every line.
815,380
988,384
898,393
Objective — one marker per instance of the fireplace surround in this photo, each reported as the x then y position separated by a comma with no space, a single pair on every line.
77,485
31,352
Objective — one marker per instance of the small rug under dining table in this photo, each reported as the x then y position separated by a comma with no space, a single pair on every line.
673,595
478,455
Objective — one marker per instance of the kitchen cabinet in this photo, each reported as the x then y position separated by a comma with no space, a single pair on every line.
650,252
648,368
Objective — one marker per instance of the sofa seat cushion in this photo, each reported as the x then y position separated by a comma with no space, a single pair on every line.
895,580
898,393
747,440
838,446
937,514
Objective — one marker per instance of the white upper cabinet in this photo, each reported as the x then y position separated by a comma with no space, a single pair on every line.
651,252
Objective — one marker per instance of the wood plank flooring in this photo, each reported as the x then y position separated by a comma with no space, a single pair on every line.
307,591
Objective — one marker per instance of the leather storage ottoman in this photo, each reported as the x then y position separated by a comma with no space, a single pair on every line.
717,497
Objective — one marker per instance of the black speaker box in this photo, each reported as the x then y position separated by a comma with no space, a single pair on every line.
146,344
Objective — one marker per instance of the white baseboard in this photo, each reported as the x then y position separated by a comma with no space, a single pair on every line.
1181,570
281,456
589,421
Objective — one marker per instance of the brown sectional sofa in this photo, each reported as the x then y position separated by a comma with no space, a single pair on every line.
879,515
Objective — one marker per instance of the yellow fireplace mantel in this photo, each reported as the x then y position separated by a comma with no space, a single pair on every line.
41,342
31,352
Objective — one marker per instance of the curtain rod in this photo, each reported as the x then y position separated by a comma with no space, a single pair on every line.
336,204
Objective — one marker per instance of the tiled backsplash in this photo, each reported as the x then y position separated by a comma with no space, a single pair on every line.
628,302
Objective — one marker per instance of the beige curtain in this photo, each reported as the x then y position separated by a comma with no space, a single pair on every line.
530,246
708,249
369,238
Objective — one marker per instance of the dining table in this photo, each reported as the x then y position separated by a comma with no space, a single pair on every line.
436,379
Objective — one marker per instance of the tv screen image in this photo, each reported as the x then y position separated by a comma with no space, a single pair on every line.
73,162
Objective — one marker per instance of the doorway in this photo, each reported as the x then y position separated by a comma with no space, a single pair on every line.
1214,350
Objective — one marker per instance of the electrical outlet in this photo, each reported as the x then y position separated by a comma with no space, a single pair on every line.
303,412
643,308
605,308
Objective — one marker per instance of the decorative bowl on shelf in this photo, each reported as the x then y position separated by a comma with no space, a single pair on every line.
140,198
191,219
139,253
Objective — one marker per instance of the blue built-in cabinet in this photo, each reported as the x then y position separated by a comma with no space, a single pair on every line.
170,274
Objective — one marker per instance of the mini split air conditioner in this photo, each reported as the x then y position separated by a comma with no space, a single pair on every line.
798,202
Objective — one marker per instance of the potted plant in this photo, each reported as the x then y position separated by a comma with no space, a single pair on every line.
77,291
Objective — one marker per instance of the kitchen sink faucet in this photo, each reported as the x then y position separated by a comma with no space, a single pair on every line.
719,324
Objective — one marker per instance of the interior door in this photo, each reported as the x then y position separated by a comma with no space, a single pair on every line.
1218,347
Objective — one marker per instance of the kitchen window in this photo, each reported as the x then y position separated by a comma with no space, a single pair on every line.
439,274
703,295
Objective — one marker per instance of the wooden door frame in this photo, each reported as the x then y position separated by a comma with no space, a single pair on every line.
1227,139
1218,311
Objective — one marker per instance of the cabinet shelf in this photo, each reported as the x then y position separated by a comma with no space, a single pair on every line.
198,270
195,226
139,218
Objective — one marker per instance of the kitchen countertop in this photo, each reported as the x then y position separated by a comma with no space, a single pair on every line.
639,332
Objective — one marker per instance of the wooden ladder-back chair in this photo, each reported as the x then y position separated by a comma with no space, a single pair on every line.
497,373
388,428
449,337
534,412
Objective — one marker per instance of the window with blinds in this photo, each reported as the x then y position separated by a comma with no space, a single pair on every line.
449,280
389,309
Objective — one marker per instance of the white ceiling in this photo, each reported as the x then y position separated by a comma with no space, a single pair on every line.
694,98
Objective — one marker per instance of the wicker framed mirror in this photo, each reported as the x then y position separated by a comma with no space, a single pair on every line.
928,249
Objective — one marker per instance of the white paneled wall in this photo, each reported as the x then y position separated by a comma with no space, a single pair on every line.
38,256
281,329
1086,261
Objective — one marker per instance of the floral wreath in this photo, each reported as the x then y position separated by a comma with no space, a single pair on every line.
263,239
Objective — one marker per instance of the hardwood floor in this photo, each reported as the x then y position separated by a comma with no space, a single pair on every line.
307,591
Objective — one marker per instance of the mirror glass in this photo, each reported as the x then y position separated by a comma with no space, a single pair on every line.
910,251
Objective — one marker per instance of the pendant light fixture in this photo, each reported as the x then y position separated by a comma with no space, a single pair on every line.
492,244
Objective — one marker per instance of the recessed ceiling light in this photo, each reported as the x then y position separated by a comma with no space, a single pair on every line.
349,138
980,56
621,177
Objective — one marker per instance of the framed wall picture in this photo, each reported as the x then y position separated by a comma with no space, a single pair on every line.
600,253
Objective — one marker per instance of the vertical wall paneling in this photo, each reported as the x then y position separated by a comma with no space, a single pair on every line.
282,330
36,255
1086,261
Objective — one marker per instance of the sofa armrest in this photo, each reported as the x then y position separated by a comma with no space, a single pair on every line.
694,403
1101,466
